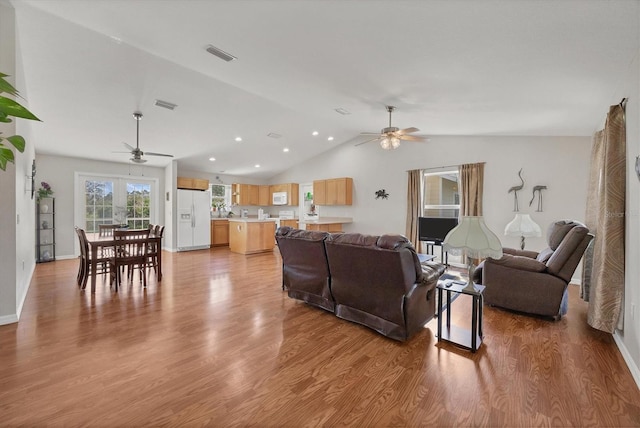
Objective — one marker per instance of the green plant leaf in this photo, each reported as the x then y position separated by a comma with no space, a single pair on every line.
6,155
6,87
12,108
17,141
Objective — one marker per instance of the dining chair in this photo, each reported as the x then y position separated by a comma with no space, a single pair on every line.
84,269
130,252
154,247
107,229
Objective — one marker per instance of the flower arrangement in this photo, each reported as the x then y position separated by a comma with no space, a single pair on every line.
45,190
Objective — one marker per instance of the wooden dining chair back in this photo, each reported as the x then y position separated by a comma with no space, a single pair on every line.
154,247
107,229
131,249
84,269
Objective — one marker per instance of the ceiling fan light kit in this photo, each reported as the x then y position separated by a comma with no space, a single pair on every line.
391,136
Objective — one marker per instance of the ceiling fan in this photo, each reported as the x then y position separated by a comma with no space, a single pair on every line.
390,136
135,151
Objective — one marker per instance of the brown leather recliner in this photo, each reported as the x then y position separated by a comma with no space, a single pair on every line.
305,270
379,282
536,283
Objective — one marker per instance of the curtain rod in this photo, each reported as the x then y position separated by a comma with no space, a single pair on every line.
442,167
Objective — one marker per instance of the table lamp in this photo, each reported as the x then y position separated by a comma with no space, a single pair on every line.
473,239
523,226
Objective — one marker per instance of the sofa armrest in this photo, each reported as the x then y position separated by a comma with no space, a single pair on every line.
431,271
521,253
519,262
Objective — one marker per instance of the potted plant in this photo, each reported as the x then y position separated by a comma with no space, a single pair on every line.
9,107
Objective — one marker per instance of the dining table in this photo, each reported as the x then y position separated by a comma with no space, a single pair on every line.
98,243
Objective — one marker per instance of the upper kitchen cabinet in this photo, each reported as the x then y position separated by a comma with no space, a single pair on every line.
333,191
192,183
240,194
264,195
291,189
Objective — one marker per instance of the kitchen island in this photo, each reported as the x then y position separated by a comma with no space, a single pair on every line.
325,224
251,235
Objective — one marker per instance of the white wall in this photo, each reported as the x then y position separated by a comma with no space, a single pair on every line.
17,215
59,172
629,339
560,163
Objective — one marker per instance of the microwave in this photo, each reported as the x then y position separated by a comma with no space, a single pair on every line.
279,198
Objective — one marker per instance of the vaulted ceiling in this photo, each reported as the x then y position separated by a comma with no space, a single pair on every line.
530,67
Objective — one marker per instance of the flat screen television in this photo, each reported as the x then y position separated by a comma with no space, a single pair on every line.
435,228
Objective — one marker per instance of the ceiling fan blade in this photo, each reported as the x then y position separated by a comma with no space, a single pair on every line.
407,131
369,133
130,148
367,141
157,154
413,138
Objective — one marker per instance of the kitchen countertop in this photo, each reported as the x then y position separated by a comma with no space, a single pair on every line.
252,220
328,220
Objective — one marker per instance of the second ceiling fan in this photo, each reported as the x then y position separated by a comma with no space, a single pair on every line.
391,136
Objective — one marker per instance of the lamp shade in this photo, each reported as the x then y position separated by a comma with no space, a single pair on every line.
472,237
523,225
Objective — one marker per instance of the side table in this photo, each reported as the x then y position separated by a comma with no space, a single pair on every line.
470,340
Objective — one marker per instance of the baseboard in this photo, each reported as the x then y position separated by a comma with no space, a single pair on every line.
8,319
633,367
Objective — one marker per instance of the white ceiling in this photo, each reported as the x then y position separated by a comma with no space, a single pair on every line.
451,67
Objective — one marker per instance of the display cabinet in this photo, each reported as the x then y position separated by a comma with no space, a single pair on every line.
45,230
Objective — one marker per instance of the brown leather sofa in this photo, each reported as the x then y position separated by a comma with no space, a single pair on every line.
376,281
305,270
536,283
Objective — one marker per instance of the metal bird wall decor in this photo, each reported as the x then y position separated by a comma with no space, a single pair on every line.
382,194
538,189
515,189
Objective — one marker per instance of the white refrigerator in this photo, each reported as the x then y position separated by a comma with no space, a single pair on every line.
194,220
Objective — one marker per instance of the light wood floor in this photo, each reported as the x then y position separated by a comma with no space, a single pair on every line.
218,343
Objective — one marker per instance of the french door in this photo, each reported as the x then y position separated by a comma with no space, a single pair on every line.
115,200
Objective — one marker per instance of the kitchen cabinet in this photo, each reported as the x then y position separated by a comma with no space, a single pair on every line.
251,236
254,193
292,190
240,194
192,183
264,196
219,233
333,191
291,223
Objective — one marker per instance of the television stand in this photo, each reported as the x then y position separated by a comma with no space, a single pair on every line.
444,256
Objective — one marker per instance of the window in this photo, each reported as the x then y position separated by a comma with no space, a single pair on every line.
138,199
221,194
441,194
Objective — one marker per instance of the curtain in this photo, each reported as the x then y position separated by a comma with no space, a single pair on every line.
604,216
471,185
414,206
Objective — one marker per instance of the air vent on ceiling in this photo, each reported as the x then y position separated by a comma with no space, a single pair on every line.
220,53
273,135
343,111
165,104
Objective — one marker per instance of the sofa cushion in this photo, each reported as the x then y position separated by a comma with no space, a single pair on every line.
558,230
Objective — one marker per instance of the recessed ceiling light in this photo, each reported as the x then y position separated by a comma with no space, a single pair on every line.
330,138
314,133
286,149
257,165
238,139
212,159
343,111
